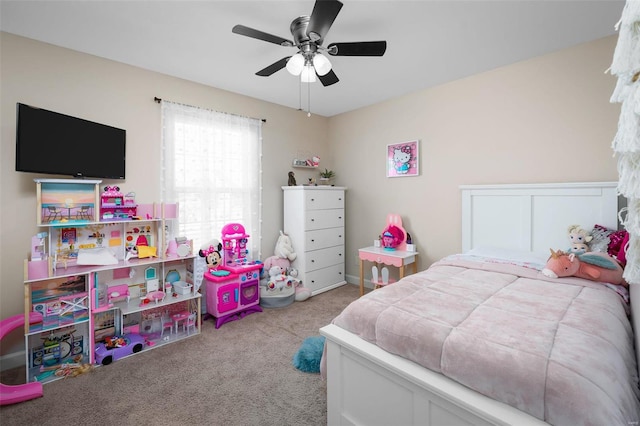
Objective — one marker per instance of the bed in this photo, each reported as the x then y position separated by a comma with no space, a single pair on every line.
482,337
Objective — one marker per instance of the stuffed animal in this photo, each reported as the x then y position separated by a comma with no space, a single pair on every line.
578,238
313,161
276,261
594,266
277,279
211,253
284,248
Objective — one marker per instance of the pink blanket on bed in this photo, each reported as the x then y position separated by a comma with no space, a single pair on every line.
558,349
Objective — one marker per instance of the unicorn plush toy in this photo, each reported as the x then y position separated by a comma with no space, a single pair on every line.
594,266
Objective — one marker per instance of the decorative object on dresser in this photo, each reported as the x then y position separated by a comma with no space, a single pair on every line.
292,179
326,176
314,220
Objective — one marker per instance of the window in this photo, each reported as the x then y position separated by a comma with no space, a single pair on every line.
212,168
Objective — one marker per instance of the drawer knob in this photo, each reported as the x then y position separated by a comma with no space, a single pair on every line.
313,241
339,254
312,261
313,220
313,199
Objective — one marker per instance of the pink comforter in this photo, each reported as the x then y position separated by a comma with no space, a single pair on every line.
558,349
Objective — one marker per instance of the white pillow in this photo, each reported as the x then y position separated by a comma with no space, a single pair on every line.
512,255
96,256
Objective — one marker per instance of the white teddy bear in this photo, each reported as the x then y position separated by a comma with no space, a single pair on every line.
277,279
284,248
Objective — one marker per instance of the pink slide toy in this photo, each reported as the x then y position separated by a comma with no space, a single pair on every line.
17,393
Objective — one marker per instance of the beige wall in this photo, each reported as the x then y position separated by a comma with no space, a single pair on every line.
544,120
120,95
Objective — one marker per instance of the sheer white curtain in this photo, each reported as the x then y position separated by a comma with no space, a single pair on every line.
212,168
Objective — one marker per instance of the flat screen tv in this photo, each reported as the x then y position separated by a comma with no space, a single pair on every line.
53,143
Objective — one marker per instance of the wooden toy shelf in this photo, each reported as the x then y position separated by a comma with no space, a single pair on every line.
67,284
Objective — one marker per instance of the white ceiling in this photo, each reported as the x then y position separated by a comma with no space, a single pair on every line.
429,42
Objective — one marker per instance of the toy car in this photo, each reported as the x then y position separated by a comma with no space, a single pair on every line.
117,347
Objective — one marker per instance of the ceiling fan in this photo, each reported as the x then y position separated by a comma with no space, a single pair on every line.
308,34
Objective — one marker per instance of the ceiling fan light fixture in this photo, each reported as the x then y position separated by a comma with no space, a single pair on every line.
308,74
321,64
295,64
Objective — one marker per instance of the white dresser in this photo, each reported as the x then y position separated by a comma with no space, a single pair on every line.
314,219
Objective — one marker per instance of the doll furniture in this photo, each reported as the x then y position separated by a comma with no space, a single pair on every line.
84,213
167,323
190,323
118,292
53,213
179,317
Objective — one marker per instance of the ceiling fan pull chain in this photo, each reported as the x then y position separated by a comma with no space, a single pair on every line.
308,99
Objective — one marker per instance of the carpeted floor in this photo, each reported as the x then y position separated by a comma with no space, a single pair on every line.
240,374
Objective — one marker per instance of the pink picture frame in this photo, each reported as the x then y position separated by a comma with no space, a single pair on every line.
403,159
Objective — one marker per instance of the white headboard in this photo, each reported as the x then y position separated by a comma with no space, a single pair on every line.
534,217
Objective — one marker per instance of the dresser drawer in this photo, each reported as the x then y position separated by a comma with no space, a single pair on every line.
321,219
321,199
324,277
322,258
323,238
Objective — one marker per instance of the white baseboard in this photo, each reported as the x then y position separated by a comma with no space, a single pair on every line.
12,360
355,280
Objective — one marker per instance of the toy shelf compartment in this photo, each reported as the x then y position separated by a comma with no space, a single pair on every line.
39,273
134,306
48,350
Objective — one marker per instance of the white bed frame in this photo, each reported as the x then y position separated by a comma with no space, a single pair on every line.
368,386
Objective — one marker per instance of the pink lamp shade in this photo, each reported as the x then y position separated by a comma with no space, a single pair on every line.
172,248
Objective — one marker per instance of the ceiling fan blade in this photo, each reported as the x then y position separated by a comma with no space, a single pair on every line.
276,66
321,19
328,79
250,32
360,48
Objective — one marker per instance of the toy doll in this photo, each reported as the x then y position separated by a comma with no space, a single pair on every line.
211,253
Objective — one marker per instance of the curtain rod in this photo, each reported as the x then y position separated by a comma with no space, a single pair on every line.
264,120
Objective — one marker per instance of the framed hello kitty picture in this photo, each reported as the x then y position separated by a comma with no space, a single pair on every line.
402,159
